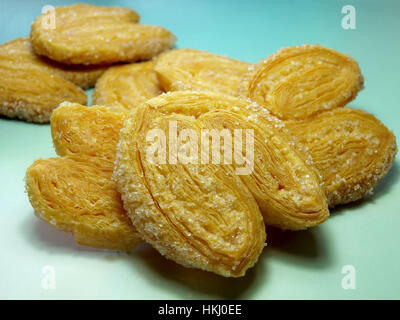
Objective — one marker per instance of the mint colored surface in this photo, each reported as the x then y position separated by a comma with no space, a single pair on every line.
303,265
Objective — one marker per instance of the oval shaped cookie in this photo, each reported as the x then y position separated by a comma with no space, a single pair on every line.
297,82
85,77
73,195
190,69
167,201
351,149
197,215
126,86
75,192
88,34
286,189
28,90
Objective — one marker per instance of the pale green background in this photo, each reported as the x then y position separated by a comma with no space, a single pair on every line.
301,265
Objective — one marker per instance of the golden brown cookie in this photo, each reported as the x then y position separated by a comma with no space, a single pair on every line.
83,76
126,86
75,192
298,82
190,69
350,148
30,90
287,189
89,35
200,216
167,202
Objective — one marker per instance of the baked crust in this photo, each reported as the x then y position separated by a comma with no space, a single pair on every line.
190,69
300,81
75,192
126,86
90,35
351,149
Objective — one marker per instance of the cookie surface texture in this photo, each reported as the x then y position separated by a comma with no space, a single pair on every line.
30,90
89,35
197,215
75,192
154,193
126,86
298,82
350,148
190,69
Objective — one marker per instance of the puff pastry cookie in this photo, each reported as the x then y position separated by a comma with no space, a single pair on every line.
298,82
177,207
190,69
89,34
75,193
350,148
83,76
200,216
30,89
126,86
